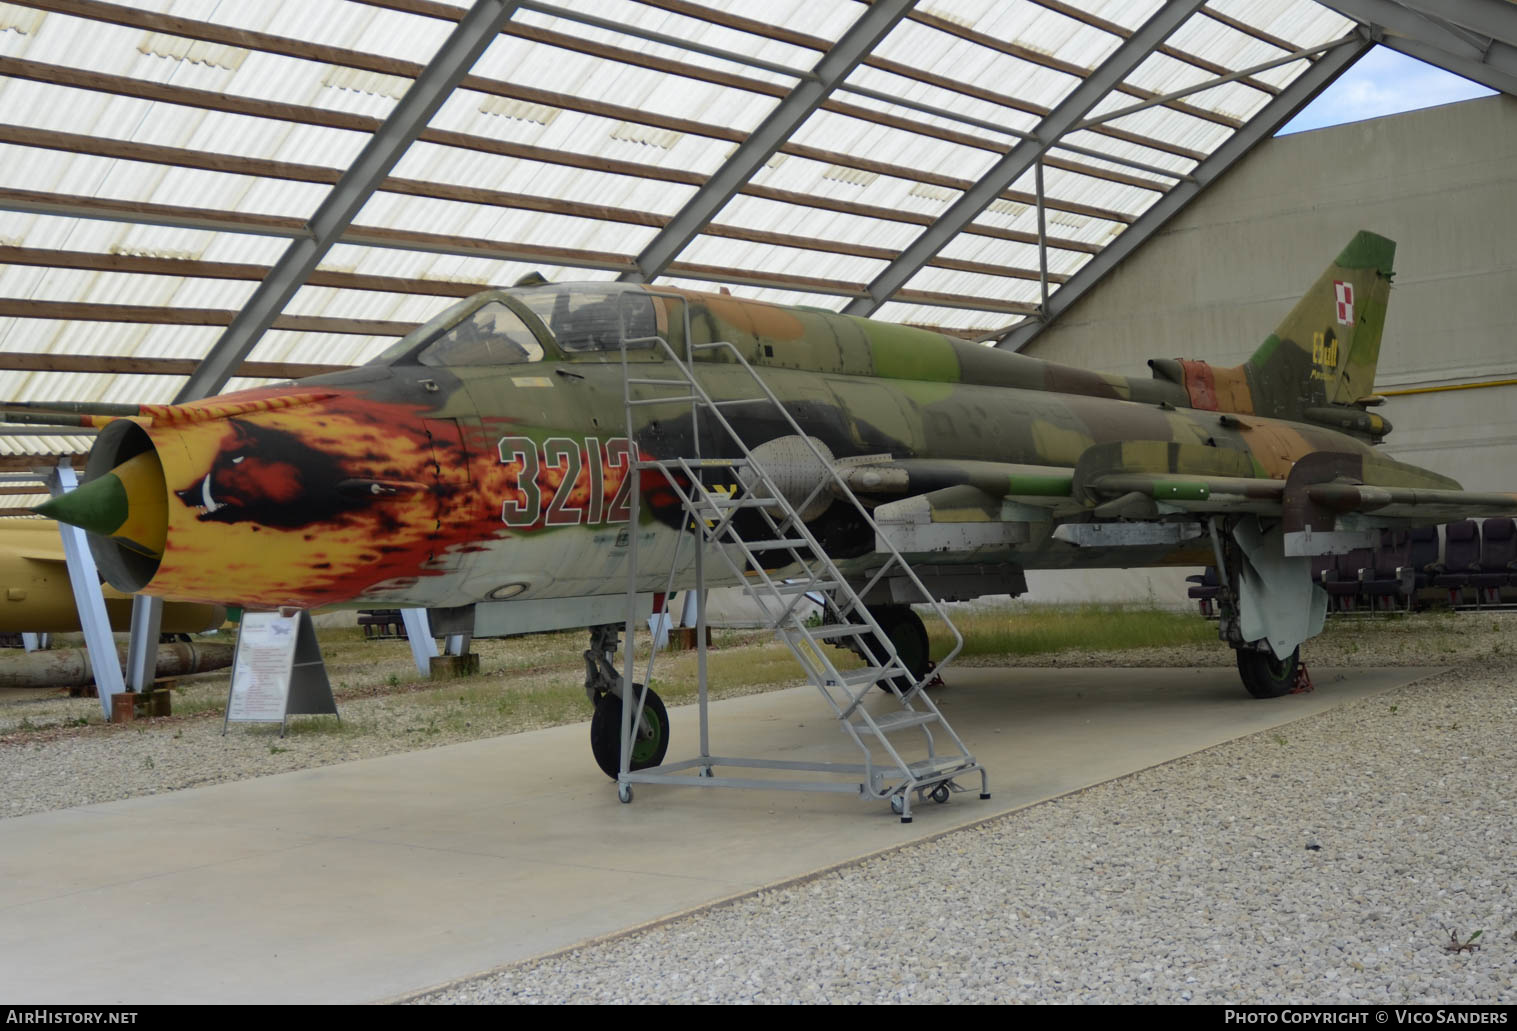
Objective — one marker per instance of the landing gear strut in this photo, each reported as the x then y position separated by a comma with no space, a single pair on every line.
603,686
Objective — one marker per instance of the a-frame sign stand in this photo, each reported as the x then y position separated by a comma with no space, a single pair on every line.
277,671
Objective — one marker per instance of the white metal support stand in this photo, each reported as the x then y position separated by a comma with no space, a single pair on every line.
142,645
419,633
85,580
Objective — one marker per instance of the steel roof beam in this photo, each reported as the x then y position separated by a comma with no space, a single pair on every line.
1200,87
861,38
625,29
884,64
1132,52
409,117
1244,27
1068,68
1275,114
23,463
1183,56
161,315
123,365
1018,134
1429,39
1493,19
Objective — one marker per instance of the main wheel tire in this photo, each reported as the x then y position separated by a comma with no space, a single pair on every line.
1266,676
606,733
909,635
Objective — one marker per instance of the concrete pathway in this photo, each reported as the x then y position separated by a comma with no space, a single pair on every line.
372,879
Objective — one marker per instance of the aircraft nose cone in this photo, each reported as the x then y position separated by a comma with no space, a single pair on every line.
127,504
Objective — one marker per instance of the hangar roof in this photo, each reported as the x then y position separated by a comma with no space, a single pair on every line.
240,191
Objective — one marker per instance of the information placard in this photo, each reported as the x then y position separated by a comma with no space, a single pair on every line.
277,671
261,672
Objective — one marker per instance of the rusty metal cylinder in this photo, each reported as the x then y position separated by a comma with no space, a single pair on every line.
70,667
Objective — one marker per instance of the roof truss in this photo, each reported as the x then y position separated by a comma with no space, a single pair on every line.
955,235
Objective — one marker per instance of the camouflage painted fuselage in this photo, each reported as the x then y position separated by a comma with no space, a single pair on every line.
423,480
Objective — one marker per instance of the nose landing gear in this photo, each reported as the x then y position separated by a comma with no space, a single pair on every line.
604,687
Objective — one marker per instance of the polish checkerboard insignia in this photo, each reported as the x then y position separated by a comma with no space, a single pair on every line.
1344,292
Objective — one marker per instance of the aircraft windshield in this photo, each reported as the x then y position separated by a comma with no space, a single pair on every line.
493,335
583,319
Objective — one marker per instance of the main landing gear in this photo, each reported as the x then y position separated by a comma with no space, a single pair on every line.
908,633
1282,605
1265,676
604,687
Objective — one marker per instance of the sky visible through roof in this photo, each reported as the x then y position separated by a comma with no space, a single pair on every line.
1383,82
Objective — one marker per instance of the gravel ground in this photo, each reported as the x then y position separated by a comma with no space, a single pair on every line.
1325,861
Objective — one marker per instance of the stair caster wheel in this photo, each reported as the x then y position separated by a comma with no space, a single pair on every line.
898,806
707,771
940,794
624,793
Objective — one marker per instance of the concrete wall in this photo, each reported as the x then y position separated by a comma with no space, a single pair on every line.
1215,281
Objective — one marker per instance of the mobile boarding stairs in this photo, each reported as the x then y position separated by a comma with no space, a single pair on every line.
909,752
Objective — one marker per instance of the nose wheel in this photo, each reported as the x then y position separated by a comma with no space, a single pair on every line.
650,742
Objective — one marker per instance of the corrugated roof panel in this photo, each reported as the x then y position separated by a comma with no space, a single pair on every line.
948,318
870,142
774,216
829,302
793,58
340,303
50,444
453,268
1008,52
974,284
324,348
451,218
246,248
1162,74
761,257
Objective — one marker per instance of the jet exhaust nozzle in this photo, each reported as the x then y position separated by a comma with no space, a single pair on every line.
122,504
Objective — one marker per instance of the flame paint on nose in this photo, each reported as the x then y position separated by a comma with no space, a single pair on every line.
129,505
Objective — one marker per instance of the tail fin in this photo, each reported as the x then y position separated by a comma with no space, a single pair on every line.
1326,350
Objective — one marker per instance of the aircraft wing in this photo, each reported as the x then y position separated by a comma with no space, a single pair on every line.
38,544
1321,486
1330,502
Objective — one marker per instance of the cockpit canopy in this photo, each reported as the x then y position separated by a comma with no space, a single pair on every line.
522,325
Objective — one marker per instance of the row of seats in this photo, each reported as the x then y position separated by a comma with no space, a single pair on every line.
1465,563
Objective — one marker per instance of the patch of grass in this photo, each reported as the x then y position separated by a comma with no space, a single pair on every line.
1041,629
319,726
194,705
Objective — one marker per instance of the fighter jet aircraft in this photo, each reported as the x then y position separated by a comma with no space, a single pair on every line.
38,597
482,467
